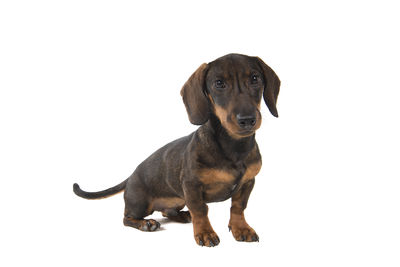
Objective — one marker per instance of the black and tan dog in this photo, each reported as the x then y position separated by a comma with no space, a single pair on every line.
214,163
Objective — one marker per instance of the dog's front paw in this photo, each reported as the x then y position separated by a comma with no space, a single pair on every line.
208,239
244,233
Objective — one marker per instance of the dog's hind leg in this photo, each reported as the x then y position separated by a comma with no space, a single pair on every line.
137,207
177,215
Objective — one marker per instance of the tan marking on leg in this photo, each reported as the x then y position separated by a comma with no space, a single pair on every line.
203,232
241,231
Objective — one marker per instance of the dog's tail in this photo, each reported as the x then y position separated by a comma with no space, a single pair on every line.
100,194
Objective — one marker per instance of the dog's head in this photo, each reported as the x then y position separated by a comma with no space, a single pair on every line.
231,88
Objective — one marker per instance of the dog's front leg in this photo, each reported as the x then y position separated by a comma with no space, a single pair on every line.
203,231
237,224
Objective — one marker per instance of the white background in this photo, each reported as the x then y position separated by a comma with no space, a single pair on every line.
90,88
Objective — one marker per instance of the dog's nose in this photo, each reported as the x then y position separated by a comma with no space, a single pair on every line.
246,121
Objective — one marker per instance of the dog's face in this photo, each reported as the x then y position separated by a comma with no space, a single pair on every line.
231,87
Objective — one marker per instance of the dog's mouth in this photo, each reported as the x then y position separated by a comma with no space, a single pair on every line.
246,133
237,132
246,125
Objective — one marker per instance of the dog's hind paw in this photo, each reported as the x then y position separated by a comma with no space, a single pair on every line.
142,224
149,225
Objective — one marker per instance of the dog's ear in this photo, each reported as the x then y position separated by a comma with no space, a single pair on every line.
194,96
272,85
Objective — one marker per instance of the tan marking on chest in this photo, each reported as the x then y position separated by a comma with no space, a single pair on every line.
251,171
209,176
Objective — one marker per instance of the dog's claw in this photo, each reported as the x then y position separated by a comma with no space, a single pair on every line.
255,238
154,227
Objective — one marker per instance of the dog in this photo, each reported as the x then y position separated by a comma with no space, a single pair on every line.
216,162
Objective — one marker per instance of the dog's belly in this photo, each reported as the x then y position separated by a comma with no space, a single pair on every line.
164,203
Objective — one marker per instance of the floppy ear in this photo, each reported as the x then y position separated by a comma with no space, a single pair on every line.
194,96
272,85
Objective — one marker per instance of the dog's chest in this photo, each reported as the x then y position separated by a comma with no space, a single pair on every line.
220,183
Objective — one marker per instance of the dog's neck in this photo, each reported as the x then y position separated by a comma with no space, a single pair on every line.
236,150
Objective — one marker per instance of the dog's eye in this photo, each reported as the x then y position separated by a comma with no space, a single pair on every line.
219,84
254,79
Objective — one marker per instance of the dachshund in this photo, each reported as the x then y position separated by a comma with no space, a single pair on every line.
216,162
